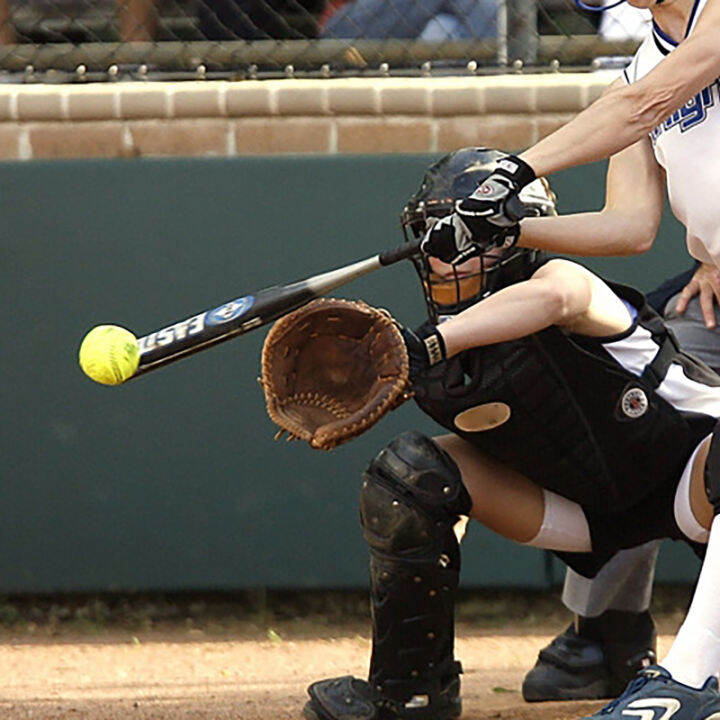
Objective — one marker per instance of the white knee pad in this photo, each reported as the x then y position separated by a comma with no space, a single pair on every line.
684,516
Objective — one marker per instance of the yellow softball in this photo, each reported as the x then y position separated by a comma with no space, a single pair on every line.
109,354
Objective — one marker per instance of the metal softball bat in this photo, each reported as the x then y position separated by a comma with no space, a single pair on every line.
237,317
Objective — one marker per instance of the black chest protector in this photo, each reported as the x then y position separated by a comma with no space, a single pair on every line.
562,411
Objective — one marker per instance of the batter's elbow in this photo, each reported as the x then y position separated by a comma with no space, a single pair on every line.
644,245
637,243
649,106
629,231
644,232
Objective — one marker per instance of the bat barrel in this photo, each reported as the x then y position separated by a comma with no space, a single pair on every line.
246,313
219,324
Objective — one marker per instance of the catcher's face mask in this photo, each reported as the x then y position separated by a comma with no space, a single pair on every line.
451,289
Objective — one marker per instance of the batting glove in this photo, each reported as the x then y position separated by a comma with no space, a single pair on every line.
490,217
496,203
449,240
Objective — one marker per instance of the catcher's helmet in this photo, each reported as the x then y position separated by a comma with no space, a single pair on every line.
450,179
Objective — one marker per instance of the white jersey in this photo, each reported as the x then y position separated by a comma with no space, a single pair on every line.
687,146
695,395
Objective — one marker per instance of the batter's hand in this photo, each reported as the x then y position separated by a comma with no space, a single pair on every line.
488,218
706,283
449,240
452,241
496,203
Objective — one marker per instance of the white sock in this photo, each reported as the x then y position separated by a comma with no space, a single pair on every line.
695,654
684,515
564,526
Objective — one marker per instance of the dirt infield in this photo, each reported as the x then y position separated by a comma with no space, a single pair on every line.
252,680
197,670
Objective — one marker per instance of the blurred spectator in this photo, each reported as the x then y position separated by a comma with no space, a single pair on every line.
259,19
7,30
432,20
625,22
138,20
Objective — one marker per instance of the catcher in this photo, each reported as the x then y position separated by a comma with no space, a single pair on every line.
577,426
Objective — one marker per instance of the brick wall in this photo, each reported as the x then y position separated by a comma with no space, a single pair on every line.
287,116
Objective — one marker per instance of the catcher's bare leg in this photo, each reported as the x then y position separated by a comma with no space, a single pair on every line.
513,506
412,496
598,658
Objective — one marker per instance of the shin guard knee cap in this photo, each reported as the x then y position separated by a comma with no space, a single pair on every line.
412,493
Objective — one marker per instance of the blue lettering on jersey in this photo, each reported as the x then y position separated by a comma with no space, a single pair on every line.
690,115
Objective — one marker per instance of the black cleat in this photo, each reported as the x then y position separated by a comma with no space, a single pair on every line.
347,698
596,662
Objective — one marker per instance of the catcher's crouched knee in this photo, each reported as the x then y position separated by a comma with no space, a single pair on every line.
412,495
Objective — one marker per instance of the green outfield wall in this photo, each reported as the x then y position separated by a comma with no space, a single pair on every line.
174,481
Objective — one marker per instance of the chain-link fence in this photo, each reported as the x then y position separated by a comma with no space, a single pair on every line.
106,39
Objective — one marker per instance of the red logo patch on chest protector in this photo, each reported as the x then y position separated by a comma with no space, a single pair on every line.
634,403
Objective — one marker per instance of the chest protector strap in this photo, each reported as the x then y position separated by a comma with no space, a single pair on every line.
656,370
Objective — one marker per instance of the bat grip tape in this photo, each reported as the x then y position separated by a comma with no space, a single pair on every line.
401,252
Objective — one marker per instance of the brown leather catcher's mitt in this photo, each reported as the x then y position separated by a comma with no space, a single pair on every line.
332,369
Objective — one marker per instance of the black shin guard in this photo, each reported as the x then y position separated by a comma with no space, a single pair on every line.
412,497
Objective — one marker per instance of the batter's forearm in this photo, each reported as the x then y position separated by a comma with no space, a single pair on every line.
627,113
604,233
609,125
